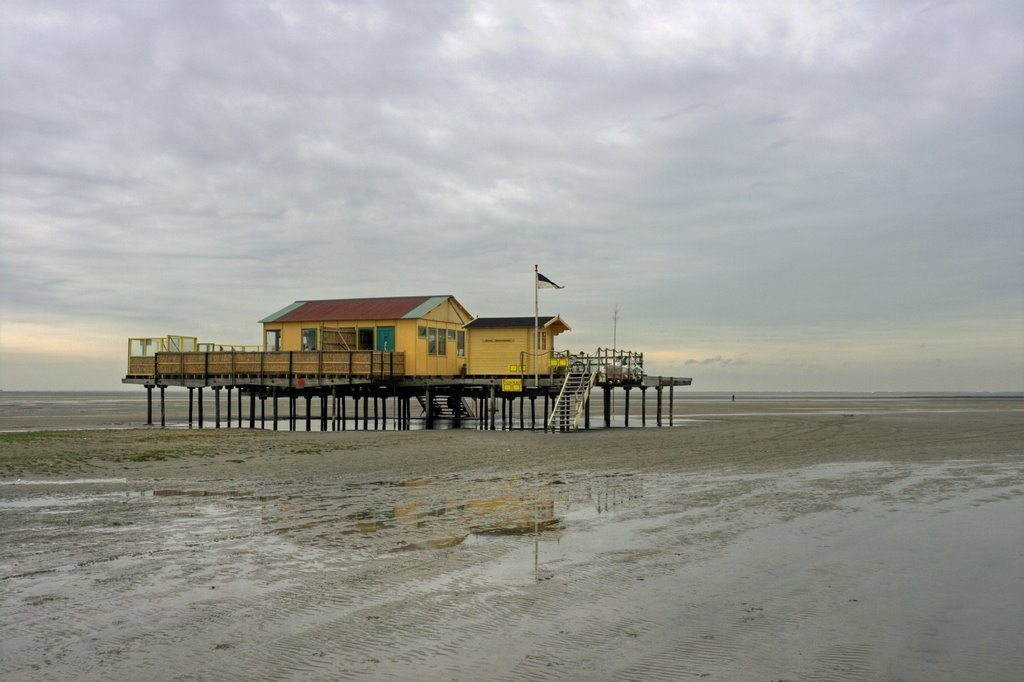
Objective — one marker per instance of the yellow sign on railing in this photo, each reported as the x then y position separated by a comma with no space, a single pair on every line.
512,385
558,362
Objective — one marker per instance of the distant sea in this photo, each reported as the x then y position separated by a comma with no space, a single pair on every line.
58,410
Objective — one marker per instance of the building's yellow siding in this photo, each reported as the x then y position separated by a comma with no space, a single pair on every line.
429,364
447,319
485,350
493,349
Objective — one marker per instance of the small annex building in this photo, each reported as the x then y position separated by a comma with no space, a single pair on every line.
429,330
497,345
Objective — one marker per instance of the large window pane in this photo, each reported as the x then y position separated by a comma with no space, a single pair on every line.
309,339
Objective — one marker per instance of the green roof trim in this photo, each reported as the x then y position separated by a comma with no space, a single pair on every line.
283,311
425,307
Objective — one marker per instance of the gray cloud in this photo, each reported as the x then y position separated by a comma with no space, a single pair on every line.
737,177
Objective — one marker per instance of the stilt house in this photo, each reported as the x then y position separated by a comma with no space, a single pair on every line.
437,335
429,330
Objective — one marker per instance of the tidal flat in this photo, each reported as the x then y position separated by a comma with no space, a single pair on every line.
794,540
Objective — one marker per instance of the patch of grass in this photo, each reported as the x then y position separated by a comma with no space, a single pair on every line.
26,437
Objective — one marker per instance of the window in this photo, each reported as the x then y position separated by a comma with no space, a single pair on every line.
461,344
442,343
431,341
364,340
272,342
421,332
542,340
309,339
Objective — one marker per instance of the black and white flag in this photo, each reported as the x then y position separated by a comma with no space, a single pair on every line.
545,283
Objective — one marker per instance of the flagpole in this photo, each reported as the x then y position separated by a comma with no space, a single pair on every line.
536,326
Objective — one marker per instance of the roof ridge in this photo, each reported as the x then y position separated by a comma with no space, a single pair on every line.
371,298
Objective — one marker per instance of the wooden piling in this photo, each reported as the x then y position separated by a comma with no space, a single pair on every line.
659,389
429,424
608,407
493,408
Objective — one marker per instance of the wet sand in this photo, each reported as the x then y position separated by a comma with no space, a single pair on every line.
818,540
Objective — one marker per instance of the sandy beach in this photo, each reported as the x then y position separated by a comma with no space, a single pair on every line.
773,540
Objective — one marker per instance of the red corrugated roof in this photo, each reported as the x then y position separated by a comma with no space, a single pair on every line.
391,308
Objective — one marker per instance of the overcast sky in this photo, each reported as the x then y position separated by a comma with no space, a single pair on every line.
776,195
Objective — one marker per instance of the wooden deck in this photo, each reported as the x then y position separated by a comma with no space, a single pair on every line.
334,378
258,368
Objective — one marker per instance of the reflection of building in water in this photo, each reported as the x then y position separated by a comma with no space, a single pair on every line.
509,515
417,523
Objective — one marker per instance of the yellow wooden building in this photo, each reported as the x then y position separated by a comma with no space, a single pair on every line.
501,345
427,349
428,330
436,334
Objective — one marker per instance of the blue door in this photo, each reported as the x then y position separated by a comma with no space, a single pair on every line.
386,339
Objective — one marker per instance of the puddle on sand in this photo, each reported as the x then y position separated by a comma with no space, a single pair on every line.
655,576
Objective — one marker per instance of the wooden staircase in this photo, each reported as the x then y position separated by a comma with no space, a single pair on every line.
572,399
446,407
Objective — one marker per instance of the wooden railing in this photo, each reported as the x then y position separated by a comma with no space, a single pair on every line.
287,364
612,365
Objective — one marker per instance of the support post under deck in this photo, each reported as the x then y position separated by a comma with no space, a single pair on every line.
671,396
659,389
429,424
607,406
